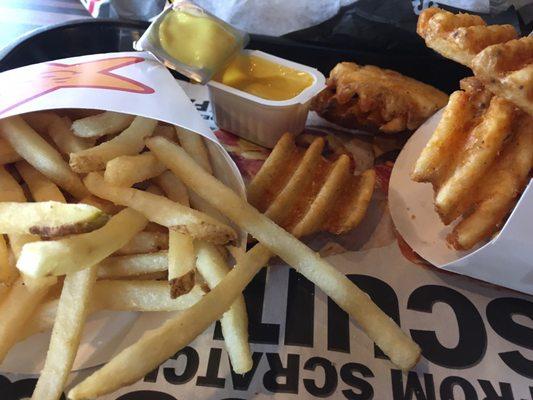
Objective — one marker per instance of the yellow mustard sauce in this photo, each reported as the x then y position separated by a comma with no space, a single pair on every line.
196,40
263,78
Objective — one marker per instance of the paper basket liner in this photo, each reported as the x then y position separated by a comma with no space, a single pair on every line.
132,83
506,260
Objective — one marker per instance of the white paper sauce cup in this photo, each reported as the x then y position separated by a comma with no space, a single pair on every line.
259,120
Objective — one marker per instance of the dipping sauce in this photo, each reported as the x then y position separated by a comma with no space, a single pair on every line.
196,40
264,78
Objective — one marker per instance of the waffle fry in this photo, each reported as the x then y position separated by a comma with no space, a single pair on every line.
460,37
507,71
370,97
478,161
322,186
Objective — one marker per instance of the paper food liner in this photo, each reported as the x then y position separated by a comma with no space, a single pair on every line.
505,260
133,83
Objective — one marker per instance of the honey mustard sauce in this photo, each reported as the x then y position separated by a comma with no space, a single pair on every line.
264,78
196,40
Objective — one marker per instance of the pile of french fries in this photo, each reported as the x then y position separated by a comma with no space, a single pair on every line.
117,212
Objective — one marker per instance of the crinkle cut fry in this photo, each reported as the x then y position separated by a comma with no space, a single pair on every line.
313,176
498,189
482,145
460,37
507,70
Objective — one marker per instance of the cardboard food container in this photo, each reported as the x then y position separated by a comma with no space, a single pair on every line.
505,260
132,83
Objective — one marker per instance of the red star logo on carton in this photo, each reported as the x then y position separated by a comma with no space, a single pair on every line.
24,84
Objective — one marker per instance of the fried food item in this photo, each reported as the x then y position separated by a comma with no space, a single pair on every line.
475,141
371,97
460,37
49,218
498,190
328,192
506,69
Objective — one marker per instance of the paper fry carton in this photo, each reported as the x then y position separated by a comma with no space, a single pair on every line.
132,83
506,260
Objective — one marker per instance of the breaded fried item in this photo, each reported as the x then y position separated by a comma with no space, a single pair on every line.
460,37
498,190
329,197
371,97
507,70
473,162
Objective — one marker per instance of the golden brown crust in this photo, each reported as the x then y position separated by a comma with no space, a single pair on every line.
317,194
460,37
370,97
478,160
507,70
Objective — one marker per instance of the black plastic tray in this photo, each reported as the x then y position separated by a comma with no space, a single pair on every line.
96,36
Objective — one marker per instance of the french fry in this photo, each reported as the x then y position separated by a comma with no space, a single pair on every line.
163,211
58,257
49,219
58,130
66,334
104,205
127,295
41,188
7,153
128,170
174,189
180,331
61,134
212,266
194,145
166,131
10,190
34,149
142,357
145,242
8,272
40,120
498,190
483,146
129,142
142,295
181,263
15,310
102,124
154,189
26,293
402,351
133,265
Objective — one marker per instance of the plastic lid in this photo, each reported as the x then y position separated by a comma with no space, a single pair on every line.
188,39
